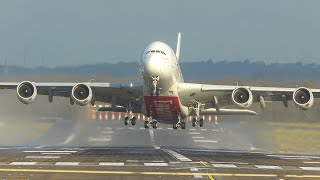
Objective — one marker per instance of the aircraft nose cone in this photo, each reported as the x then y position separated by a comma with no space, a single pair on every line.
152,66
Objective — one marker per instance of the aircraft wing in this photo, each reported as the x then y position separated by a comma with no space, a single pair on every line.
118,93
206,94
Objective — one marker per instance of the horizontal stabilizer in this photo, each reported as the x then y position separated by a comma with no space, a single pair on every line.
213,111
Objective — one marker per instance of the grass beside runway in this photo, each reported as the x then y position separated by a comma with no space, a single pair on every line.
289,137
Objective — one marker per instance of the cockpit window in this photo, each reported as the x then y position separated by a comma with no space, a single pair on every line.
153,51
157,51
163,53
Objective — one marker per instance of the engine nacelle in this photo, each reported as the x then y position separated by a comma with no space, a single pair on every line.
26,92
81,94
242,97
303,98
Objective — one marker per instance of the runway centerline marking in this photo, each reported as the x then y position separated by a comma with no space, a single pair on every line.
153,142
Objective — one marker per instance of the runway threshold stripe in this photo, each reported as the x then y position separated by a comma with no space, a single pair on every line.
111,164
267,167
67,163
140,173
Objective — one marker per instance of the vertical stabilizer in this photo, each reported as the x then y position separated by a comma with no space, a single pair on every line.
178,46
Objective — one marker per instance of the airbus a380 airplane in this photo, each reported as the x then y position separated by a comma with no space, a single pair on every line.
163,96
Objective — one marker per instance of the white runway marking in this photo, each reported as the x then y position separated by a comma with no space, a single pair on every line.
93,139
205,141
194,133
160,128
132,161
177,155
69,139
56,153
119,128
228,162
192,129
142,128
215,130
203,129
131,128
156,164
311,168
195,170
311,162
43,157
111,164
267,167
153,142
23,163
197,137
53,151
67,163
289,156
170,128
224,165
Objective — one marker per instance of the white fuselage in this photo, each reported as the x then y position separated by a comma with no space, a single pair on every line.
160,62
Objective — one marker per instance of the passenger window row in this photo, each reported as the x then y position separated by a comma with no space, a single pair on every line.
156,51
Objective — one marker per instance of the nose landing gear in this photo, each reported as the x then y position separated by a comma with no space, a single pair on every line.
155,90
153,123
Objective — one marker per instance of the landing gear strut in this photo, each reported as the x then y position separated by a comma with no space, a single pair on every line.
179,124
155,90
197,120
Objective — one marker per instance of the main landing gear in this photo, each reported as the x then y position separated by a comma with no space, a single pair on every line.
131,119
128,120
179,124
197,120
153,123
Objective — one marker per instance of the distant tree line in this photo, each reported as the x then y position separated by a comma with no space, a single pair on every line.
204,70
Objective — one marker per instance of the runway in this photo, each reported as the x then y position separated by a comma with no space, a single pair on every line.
110,150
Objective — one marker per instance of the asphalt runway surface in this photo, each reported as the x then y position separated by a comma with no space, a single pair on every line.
110,150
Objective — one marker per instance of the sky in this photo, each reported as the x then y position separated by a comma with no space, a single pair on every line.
76,32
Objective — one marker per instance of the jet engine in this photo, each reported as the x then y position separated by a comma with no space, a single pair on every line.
81,94
242,97
26,92
303,98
